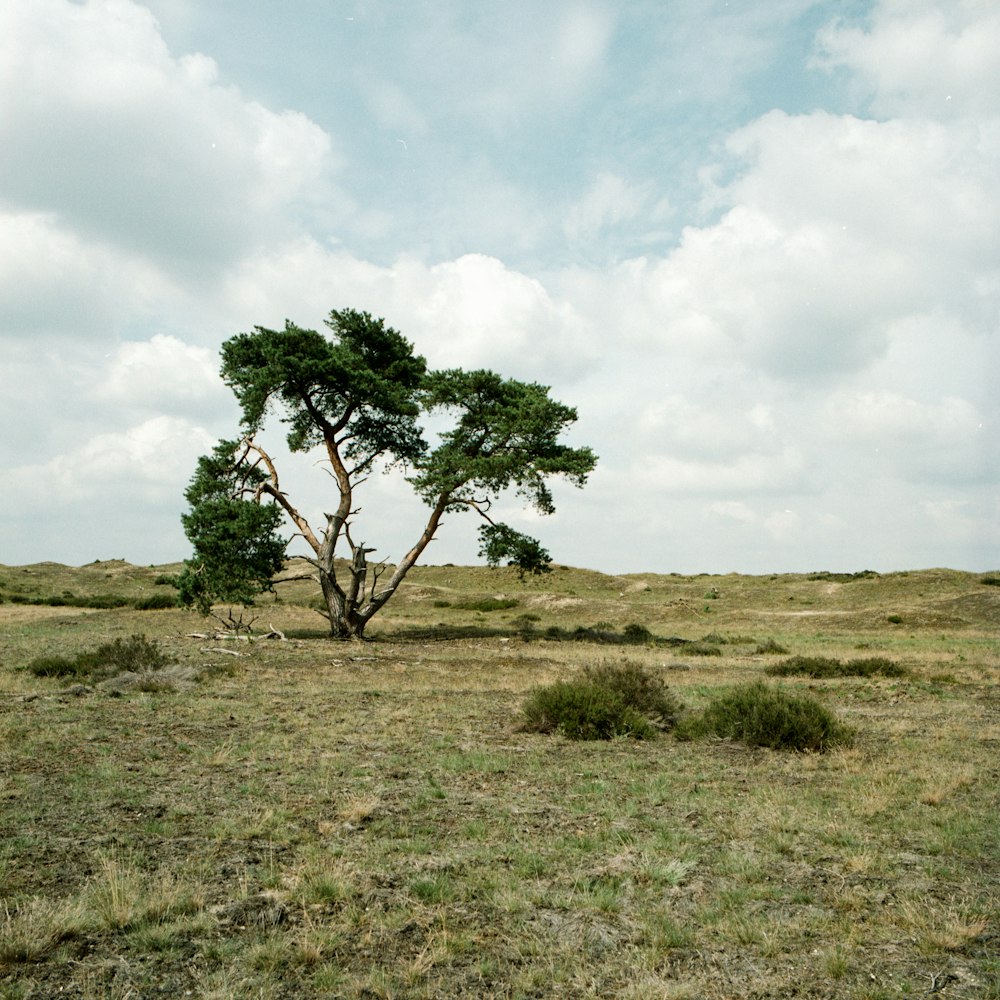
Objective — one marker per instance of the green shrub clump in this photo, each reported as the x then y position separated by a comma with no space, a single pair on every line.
487,604
822,666
769,647
763,716
155,602
134,654
605,701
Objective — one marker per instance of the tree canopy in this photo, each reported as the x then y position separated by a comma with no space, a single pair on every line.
357,396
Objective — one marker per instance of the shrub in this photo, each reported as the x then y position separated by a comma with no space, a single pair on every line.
990,580
764,716
134,654
155,602
583,711
821,666
637,635
702,649
638,688
603,702
768,647
488,604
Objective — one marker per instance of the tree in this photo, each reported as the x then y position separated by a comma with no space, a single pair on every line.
357,396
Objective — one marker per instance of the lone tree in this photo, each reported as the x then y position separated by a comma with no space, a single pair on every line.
357,396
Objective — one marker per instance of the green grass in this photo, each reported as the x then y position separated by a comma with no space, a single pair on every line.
316,819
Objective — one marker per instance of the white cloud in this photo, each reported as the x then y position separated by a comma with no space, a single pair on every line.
755,472
103,127
165,375
921,57
890,434
611,202
54,282
143,463
681,427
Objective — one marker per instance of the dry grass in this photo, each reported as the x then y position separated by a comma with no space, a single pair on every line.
312,819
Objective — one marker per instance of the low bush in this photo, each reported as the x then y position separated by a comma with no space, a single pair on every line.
639,689
822,666
605,701
488,604
764,716
103,602
769,647
702,649
637,635
155,602
135,654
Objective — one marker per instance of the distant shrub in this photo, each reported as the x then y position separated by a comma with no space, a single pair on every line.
764,716
769,647
702,649
525,623
895,619
865,574
442,604
135,654
821,666
155,602
603,702
166,580
637,635
488,604
990,580
100,601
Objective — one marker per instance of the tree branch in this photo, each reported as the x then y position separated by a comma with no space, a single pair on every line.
272,488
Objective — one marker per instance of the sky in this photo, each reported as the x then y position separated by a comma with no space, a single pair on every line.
755,243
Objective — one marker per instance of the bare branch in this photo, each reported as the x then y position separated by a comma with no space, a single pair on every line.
272,488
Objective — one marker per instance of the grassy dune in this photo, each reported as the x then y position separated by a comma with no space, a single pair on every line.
302,818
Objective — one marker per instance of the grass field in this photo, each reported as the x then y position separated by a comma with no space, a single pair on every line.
288,818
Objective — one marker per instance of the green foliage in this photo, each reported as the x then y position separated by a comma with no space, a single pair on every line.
769,647
362,381
640,689
237,549
702,649
605,701
499,543
101,602
487,604
603,633
990,580
155,602
764,716
136,654
637,635
895,619
822,666
582,711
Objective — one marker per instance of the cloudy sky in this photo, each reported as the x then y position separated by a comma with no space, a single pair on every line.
756,244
